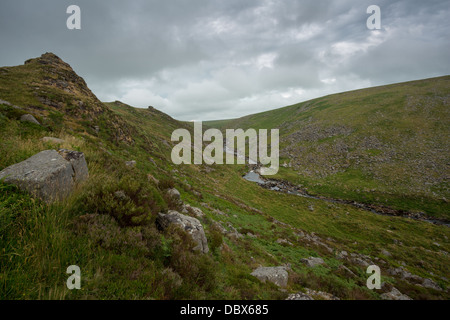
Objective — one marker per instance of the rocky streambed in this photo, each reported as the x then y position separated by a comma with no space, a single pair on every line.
287,187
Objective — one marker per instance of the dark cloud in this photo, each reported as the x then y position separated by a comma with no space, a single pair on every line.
209,59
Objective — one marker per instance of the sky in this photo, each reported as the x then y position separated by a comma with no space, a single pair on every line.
220,59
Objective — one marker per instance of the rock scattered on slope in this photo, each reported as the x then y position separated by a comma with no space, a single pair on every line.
406,275
29,118
48,174
394,294
131,163
299,296
174,194
276,275
312,261
189,224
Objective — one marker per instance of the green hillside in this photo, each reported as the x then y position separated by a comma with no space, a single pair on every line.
387,145
123,255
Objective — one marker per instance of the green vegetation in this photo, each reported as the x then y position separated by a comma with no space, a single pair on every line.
107,226
386,145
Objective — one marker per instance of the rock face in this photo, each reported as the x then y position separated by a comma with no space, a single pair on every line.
276,275
29,118
48,175
312,261
189,224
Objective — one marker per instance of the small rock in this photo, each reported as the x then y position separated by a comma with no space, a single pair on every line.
299,296
312,261
131,163
320,294
428,283
197,212
29,118
284,242
386,253
174,194
394,294
276,275
342,255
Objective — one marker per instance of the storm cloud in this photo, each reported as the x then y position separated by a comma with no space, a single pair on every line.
211,59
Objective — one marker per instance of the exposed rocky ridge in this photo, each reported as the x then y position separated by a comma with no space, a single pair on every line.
58,88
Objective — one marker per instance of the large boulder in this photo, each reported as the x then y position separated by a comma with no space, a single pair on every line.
189,224
276,275
48,175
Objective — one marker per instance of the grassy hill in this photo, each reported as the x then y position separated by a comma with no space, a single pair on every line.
387,145
121,252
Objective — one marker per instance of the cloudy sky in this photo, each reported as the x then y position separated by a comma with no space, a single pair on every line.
216,59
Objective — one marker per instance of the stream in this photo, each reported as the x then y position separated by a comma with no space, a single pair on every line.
287,187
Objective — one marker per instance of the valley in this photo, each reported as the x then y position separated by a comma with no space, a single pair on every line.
383,147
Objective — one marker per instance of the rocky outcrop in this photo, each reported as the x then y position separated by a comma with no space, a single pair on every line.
276,275
48,175
189,224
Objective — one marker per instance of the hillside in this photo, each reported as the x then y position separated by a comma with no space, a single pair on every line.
387,145
108,226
